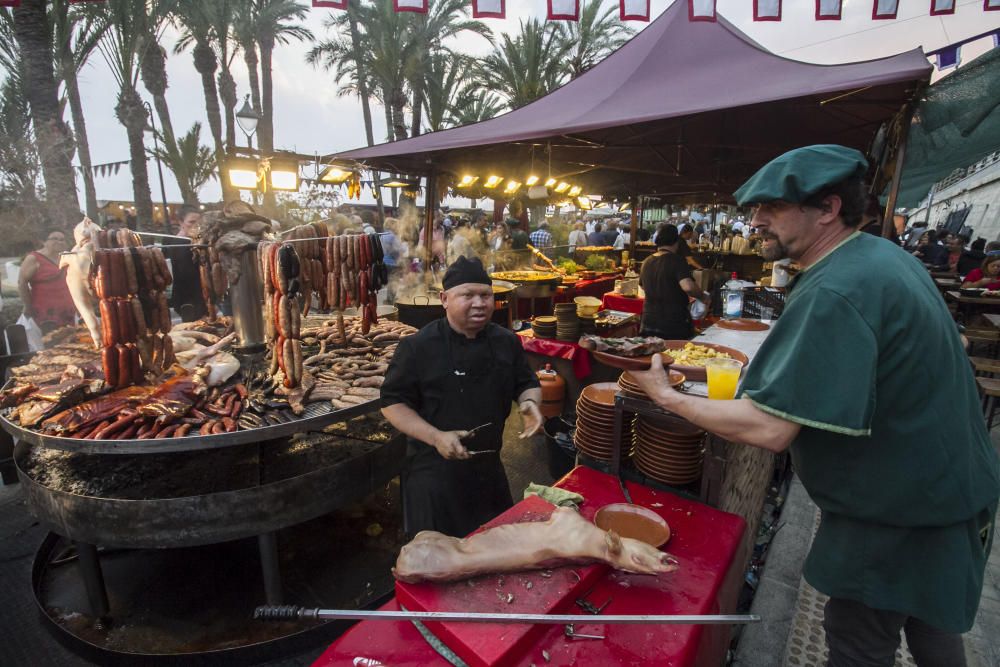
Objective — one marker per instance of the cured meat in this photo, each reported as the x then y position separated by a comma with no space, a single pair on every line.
95,410
565,537
174,397
624,347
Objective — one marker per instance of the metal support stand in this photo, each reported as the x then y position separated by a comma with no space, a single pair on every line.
93,579
268,545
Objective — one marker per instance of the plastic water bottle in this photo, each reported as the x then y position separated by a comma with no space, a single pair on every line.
732,299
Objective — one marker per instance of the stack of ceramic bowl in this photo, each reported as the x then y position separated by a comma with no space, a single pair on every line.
567,323
595,423
668,449
630,388
544,326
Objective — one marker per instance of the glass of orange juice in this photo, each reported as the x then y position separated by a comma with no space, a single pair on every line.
723,376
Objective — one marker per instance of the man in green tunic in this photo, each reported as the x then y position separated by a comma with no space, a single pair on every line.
865,378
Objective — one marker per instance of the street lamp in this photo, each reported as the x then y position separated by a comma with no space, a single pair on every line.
159,167
247,117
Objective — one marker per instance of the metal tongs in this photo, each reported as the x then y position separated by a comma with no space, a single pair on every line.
472,432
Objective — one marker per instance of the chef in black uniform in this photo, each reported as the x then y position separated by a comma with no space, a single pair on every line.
455,374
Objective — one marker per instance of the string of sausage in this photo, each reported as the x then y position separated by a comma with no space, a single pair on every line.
282,269
129,281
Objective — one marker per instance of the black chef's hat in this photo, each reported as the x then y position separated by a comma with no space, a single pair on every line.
464,271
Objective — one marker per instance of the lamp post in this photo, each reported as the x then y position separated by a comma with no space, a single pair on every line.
159,166
247,118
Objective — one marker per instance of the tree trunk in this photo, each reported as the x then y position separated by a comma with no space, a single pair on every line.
54,140
398,101
366,107
227,93
153,68
82,142
132,114
418,108
250,58
206,63
388,124
265,128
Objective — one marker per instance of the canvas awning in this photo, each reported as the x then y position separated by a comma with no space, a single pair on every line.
685,109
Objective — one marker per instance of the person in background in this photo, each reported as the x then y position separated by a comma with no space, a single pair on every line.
931,252
392,252
577,237
596,237
893,450
987,275
460,245
45,298
541,237
971,258
458,373
624,235
518,237
591,226
684,248
666,279
610,235
956,246
185,298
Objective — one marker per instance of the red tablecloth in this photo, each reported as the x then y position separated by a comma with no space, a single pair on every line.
559,349
612,301
705,541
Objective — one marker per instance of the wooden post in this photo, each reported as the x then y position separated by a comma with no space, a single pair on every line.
888,218
430,204
633,228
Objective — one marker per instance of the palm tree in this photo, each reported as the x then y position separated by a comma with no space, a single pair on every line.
125,42
442,83
473,104
523,68
274,26
426,33
191,162
195,18
75,36
593,37
245,35
33,33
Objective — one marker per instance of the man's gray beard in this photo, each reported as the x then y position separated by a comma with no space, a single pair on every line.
772,250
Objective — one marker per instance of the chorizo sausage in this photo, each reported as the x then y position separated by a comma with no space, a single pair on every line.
168,352
297,362
294,317
163,310
182,430
116,261
289,356
124,366
135,363
160,264
147,268
138,319
126,324
109,361
110,333
101,240
131,279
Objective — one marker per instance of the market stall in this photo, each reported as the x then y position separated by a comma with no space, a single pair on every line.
138,433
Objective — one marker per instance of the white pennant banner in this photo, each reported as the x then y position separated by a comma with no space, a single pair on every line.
564,10
418,6
885,9
828,10
489,9
991,5
766,10
939,7
701,10
634,10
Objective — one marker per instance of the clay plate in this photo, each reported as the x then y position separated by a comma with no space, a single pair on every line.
743,324
697,373
629,363
601,393
633,521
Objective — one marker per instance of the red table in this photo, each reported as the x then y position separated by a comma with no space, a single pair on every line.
705,541
559,349
627,304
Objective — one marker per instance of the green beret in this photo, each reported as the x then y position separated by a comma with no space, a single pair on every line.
800,173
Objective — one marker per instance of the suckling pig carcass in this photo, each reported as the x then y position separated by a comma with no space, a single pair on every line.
565,538
78,263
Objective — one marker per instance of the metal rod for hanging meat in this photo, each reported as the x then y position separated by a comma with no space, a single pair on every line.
292,612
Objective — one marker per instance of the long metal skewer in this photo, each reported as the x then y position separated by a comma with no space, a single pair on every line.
292,612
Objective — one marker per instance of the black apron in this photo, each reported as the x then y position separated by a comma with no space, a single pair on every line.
455,497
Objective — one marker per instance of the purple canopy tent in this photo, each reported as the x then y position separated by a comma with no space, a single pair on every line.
683,110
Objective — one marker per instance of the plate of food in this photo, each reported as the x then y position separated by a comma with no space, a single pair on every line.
743,324
630,354
689,358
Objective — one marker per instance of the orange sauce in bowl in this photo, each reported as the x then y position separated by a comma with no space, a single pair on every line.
635,522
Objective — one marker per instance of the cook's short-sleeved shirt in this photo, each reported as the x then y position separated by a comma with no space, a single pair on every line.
893,446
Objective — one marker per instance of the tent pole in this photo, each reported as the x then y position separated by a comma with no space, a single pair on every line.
633,229
430,205
889,218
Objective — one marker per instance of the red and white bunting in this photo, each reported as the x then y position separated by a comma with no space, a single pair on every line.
701,10
766,10
634,10
828,10
416,6
489,9
564,10
884,9
330,4
941,7
991,5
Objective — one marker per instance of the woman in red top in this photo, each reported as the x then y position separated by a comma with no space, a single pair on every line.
987,275
42,285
